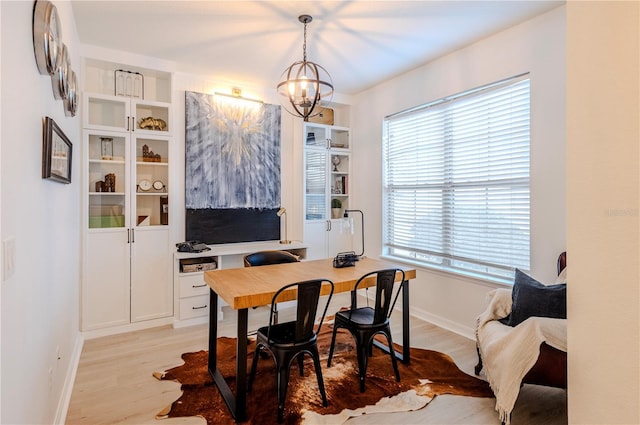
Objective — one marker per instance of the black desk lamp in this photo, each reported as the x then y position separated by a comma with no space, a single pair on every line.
346,215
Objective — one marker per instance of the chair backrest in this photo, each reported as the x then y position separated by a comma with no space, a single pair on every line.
384,293
308,295
562,261
265,258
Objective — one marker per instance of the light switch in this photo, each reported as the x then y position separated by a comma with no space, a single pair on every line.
8,257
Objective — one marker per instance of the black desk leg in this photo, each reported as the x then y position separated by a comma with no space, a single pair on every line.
241,367
213,331
237,403
406,325
405,356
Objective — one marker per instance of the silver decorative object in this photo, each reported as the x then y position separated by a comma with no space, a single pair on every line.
129,83
335,160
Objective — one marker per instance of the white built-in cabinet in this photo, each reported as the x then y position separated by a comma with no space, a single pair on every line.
127,257
326,178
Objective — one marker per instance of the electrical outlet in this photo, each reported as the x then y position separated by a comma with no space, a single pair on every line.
8,257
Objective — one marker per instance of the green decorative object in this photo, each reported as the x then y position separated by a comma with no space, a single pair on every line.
101,221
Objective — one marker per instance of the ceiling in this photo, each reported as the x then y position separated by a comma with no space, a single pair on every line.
360,43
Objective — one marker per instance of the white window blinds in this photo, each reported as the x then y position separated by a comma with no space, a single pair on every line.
456,181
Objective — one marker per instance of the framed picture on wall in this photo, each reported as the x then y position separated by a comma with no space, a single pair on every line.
56,153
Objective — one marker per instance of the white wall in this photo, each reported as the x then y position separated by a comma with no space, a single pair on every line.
40,301
603,187
536,46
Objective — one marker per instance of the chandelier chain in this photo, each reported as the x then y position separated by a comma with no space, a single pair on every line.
304,44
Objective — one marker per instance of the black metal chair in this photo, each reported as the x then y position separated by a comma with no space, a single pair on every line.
365,323
266,258
290,340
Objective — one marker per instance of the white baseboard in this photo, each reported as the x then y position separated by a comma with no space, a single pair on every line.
69,380
447,324
129,327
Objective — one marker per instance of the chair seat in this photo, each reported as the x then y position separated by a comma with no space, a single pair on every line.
362,316
283,335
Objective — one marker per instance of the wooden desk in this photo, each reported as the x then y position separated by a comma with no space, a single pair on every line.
244,288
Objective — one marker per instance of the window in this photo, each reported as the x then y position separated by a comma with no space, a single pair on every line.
456,181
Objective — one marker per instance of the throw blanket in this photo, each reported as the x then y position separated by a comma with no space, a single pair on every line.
508,353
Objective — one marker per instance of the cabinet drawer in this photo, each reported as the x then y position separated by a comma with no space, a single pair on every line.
194,307
193,285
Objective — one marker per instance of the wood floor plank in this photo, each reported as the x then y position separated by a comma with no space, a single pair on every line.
114,382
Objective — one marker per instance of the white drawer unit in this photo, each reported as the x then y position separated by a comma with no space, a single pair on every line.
193,285
193,293
193,307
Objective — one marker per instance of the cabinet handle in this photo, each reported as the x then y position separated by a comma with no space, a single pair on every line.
133,123
128,237
328,225
133,235
199,308
128,121
199,286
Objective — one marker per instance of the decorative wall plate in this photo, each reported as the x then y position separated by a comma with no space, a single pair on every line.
71,101
47,37
60,79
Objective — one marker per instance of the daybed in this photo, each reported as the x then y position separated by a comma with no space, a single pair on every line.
516,345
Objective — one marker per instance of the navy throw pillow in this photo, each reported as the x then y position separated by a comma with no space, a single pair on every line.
532,298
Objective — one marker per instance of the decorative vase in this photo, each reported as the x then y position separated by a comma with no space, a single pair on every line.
336,212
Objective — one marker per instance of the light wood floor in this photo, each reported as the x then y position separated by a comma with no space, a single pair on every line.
114,383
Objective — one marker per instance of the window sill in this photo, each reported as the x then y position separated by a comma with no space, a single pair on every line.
469,277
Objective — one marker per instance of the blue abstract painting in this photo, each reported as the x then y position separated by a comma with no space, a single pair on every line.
232,168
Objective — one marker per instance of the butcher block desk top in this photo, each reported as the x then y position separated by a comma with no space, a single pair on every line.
255,286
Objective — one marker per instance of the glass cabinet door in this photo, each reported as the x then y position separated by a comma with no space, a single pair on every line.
315,184
316,136
339,138
326,171
108,179
106,112
340,178
151,181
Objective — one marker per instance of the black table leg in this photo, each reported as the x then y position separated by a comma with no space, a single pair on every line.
405,356
241,367
213,332
237,403
406,344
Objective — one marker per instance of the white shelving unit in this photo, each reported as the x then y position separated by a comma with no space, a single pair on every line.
126,276
326,177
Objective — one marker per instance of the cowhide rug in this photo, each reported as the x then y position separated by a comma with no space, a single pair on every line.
430,373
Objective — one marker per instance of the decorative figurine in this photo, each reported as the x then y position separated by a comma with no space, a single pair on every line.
149,156
109,183
151,123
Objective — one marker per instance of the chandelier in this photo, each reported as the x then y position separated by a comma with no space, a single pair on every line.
305,87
